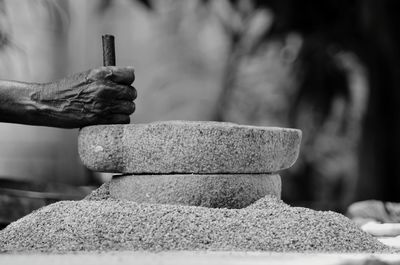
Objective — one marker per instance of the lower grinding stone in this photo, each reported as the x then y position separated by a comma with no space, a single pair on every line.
185,147
213,191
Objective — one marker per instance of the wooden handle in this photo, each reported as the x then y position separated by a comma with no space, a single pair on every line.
108,50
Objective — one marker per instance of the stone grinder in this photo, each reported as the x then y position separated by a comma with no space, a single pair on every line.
199,163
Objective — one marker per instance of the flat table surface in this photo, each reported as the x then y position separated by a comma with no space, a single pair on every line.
200,257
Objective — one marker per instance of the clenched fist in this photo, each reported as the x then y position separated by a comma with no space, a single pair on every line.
98,96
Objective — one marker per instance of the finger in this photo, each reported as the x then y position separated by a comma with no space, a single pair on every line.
117,119
117,74
110,119
125,107
134,91
122,75
119,107
112,91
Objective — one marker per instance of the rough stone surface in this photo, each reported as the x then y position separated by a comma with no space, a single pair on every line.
215,191
188,147
116,225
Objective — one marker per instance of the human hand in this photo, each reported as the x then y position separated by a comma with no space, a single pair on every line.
98,96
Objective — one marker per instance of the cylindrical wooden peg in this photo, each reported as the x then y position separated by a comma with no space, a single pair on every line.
108,50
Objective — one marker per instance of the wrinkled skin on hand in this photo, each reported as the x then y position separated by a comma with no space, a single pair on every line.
98,96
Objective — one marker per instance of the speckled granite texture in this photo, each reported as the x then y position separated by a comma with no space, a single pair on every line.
188,147
214,191
117,225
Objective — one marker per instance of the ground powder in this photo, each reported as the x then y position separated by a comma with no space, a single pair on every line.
99,223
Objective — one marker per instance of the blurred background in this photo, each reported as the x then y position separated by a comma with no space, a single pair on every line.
330,68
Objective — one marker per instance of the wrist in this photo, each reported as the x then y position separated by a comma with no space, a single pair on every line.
40,106
49,106
17,102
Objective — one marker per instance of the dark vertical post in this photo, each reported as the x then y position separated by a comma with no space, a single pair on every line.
108,50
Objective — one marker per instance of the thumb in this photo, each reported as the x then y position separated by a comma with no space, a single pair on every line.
121,75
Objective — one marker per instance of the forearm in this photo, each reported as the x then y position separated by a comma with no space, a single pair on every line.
17,104
97,96
38,104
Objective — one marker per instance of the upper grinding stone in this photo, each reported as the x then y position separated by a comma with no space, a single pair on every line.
188,147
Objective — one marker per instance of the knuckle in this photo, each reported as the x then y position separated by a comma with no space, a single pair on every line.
133,107
91,117
130,92
134,91
129,107
133,75
98,106
94,73
99,73
99,86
